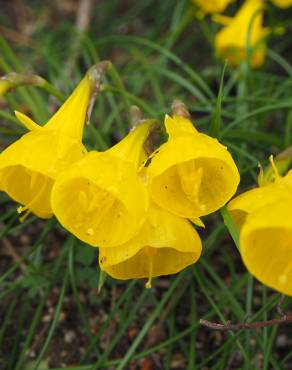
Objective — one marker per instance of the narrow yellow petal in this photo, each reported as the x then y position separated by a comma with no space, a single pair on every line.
178,125
26,121
222,19
131,147
198,222
70,118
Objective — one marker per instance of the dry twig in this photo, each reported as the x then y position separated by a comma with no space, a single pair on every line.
284,319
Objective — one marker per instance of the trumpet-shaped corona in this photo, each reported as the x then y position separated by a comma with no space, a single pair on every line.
245,28
101,199
192,174
29,167
266,245
165,245
282,3
212,6
252,200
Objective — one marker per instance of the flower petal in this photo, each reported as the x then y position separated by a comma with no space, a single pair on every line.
266,245
169,242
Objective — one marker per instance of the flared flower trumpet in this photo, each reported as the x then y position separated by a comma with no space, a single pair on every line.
243,35
165,245
29,167
192,174
252,200
266,245
101,199
212,6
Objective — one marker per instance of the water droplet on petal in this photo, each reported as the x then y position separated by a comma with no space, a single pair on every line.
282,279
90,232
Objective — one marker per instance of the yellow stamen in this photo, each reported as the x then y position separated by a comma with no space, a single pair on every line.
190,179
33,179
104,201
24,217
27,208
150,253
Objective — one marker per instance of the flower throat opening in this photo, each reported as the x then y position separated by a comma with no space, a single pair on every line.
29,188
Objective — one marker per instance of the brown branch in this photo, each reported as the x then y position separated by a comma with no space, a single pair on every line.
285,319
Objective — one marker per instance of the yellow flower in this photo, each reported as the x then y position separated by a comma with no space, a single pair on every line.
266,245
252,200
282,3
231,42
192,174
101,199
165,245
29,167
212,6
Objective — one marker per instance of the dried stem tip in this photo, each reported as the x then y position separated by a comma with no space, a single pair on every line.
13,79
136,116
95,74
179,109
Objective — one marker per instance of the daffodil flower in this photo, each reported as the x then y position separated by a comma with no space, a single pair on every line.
245,28
192,174
101,199
30,166
252,200
212,6
165,245
266,245
282,3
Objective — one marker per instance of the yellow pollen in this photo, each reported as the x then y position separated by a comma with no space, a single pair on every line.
27,208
